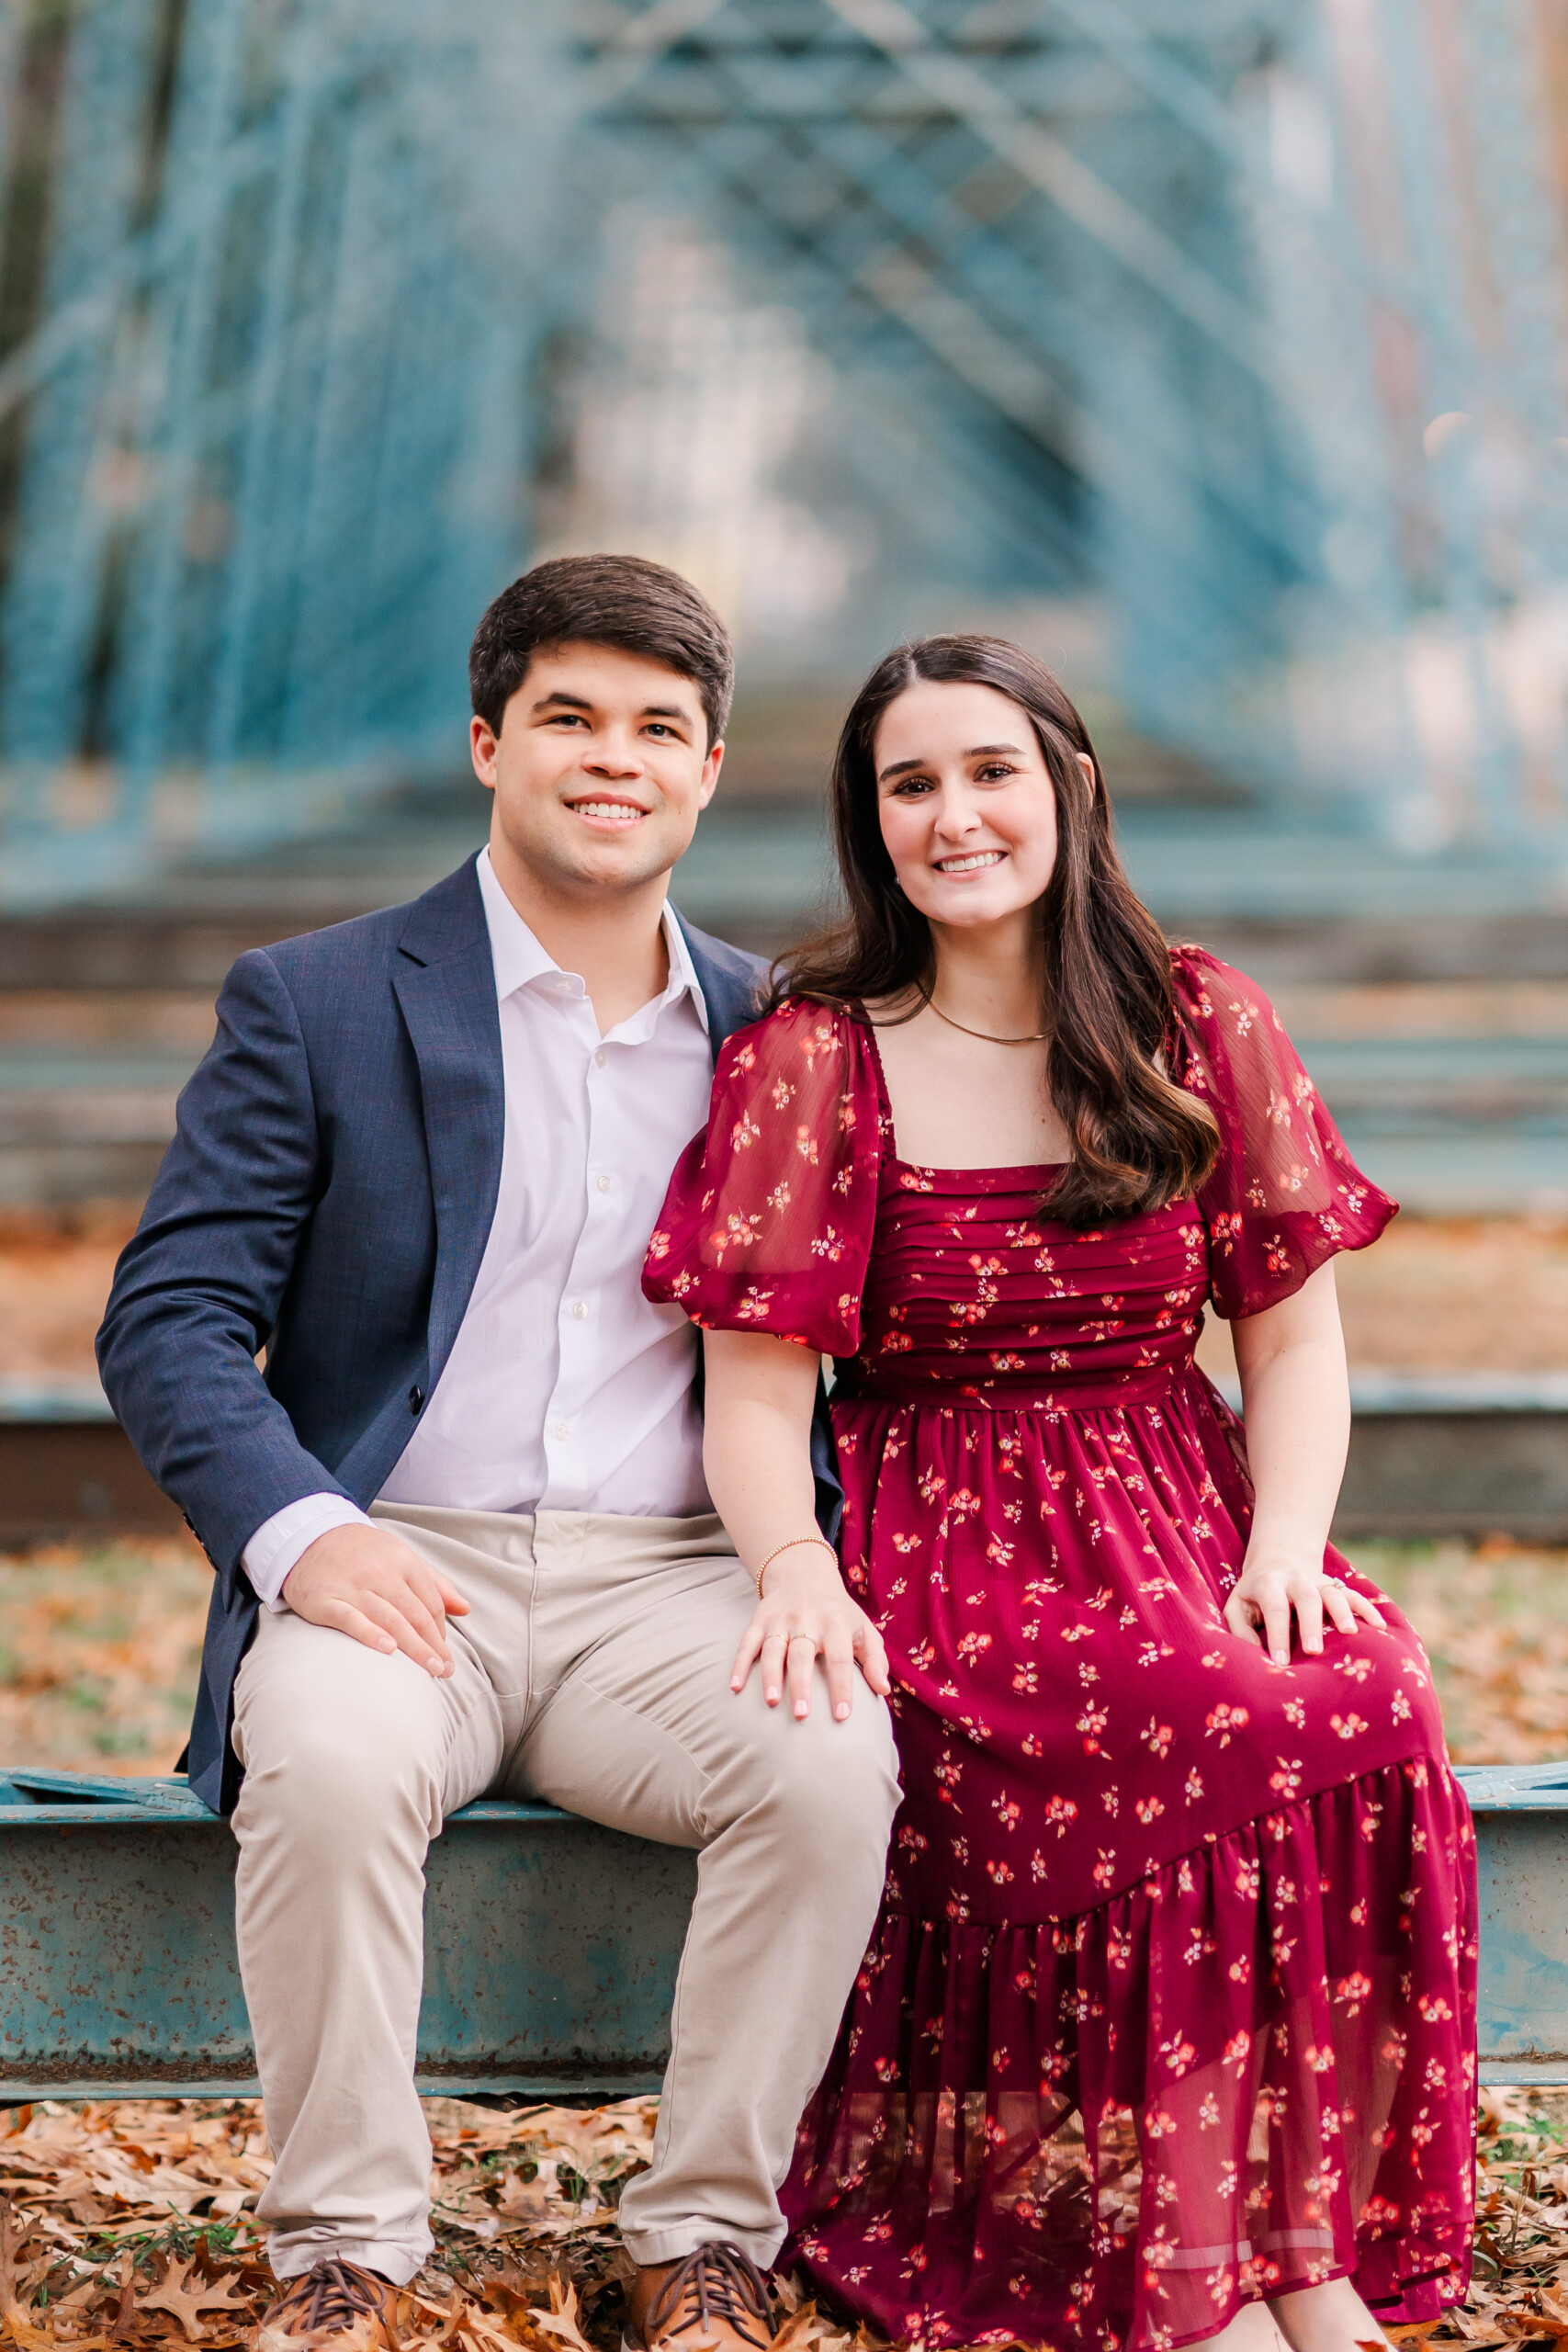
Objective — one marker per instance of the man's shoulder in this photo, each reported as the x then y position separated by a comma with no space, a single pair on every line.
739,960
733,981
366,946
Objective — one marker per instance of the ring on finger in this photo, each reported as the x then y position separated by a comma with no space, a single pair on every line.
800,1637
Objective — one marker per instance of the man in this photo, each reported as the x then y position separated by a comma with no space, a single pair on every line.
460,1530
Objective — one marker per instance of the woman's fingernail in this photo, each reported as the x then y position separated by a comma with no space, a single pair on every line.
842,1710
800,1710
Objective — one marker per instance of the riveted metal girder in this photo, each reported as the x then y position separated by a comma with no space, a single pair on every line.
550,1948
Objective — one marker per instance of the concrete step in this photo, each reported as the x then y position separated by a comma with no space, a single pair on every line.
105,1010
1444,1454
1449,1125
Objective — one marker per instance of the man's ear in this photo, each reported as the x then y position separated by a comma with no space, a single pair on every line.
482,749
711,767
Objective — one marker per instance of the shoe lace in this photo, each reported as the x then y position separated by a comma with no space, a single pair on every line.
717,2281
333,2296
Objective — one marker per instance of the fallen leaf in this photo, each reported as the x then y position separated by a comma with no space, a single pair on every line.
564,2316
801,2329
173,2293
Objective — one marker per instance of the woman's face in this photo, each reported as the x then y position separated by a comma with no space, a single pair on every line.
967,806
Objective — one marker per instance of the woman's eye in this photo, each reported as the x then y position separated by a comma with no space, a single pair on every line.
993,772
911,787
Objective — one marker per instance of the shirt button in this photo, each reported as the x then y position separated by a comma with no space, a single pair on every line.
605,1184
416,1399
599,1061
562,1429
580,1307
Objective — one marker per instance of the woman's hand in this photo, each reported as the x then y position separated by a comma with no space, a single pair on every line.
804,1614
1271,1586
757,1454
1296,1403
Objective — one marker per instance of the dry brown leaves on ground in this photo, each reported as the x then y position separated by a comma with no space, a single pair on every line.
131,2222
99,1649
1493,1617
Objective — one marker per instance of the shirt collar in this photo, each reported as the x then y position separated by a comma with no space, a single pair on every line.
519,958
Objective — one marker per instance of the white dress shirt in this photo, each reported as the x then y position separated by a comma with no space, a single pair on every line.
566,1389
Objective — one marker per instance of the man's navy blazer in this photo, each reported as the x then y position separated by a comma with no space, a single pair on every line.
327,1196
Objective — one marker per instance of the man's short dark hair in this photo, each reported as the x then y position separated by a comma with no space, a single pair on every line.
616,599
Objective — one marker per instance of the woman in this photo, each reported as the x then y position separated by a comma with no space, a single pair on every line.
1166,2030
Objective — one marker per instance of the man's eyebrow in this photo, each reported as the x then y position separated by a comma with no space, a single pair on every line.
975,752
560,699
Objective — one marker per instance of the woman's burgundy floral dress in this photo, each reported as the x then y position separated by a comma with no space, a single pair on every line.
1171,2000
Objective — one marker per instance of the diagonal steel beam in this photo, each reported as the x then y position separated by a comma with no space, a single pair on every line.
1049,165
968,347
641,42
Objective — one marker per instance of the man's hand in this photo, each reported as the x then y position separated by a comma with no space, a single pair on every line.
805,1613
368,1582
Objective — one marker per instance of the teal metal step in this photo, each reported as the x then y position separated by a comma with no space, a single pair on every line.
551,1945
550,1948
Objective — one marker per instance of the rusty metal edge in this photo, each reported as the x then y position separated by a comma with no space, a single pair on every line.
635,2084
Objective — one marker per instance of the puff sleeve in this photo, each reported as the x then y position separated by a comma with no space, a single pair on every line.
1284,1196
768,1221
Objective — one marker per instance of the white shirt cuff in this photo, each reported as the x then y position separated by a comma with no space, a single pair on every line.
279,1540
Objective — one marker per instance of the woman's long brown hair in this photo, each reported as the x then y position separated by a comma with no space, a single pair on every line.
1138,1141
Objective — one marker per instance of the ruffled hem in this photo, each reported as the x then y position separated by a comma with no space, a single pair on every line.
1250,2072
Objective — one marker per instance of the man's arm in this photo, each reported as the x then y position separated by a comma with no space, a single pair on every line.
197,1289
196,1294
283,1539
328,1561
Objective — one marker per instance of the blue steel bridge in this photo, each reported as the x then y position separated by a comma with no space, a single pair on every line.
1215,348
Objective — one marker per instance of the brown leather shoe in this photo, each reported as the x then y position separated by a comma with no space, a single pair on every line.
716,2295
337,2304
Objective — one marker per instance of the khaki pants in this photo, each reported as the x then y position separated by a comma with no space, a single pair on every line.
593,1672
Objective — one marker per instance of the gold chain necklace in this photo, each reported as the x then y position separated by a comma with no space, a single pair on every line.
1041,1038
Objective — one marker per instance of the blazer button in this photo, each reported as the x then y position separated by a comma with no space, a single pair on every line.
416,1398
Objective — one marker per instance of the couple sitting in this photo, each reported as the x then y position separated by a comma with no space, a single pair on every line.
1157,2025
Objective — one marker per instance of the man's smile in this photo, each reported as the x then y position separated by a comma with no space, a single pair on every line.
607,809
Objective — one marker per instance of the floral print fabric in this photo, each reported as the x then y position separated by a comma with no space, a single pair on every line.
1171,2000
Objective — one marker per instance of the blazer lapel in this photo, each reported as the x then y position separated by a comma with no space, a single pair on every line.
446,990
732,983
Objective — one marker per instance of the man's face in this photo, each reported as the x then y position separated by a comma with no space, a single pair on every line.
600,769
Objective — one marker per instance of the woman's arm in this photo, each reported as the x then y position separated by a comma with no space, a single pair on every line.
1296,1403
758,1400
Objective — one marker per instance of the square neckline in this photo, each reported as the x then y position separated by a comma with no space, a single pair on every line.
1034,1168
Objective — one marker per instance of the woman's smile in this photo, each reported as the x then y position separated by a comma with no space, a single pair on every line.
971,861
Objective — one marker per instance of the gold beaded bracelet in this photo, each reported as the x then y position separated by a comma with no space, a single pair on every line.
794,1543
